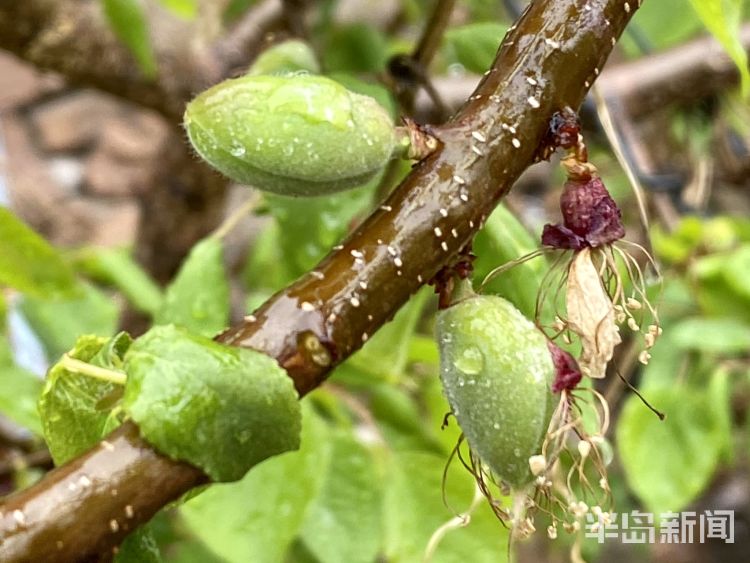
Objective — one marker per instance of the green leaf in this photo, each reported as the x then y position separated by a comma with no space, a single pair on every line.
198,298
343,524
186,9
19,391
716,336
29,263
718,291
236,8
476,44
299,553
3,312
414,509
58,323
723,19
502,240
75,408
664,23
355,48
265,272
387,352
221,408
257,518
735,270
139,547
128,22
309,227
398,416
117,267
669,463
719,393
665,365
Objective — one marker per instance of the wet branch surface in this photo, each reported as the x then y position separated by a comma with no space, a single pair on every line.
83,509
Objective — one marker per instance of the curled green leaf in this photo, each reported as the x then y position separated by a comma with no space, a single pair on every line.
75,408
220,408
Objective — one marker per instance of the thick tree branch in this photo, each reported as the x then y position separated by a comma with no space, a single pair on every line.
543,65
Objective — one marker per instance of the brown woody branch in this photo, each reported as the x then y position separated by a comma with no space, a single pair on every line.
543,65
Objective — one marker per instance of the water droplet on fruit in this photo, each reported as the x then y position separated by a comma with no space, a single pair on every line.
471,361
237,150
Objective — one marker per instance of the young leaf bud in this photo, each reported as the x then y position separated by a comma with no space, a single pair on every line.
285,57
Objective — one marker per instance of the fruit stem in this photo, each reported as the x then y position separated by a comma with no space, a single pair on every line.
462,291
413,142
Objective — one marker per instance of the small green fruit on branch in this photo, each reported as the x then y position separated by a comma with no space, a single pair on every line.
497,373
293,134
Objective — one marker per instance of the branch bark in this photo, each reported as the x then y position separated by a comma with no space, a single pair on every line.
544,64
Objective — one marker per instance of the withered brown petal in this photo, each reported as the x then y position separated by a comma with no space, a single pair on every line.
591,315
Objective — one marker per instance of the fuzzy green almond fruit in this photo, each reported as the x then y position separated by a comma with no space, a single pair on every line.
288,56
497,374
298,135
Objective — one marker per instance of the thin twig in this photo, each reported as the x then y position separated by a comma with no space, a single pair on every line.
411,71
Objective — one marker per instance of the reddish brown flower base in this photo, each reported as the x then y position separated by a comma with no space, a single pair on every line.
591,217
567,372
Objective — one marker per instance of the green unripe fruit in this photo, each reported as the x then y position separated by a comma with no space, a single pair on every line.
288,56
292,135
497,373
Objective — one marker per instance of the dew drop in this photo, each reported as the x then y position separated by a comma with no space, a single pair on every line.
471,361
237,150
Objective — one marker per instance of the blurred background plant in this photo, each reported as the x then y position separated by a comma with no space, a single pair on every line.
82,168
